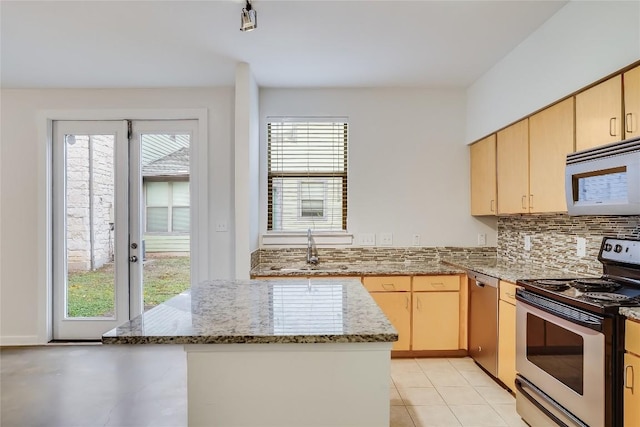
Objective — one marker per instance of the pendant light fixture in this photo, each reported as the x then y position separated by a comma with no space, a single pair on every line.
248,18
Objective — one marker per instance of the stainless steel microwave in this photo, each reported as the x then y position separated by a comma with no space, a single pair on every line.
604,180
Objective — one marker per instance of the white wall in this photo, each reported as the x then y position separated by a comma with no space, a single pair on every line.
246,181
19,240
408,166
582,43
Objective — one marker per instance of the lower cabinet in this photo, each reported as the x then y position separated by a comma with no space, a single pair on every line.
507,335
436,320
424,309
632,375
397,307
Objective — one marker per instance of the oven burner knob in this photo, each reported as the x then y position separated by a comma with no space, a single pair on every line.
617,249
607,247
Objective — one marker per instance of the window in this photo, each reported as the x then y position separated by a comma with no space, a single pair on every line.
307,174
167,205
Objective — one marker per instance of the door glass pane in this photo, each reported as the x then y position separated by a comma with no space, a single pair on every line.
165,176
89,192
557,351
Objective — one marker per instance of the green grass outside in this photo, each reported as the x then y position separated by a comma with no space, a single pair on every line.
91,293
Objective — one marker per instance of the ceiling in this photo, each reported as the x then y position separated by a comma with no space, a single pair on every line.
304,43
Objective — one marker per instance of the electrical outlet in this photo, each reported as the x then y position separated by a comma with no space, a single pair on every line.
386,239
527,243
482,239
415,240
221,227
581,247
367,239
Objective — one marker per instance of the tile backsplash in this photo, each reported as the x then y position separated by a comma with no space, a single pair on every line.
553,239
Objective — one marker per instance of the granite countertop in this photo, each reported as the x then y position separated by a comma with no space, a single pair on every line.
631,312
509,271
504,270
360,268
261,311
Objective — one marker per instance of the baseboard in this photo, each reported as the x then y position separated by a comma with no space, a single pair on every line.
17,340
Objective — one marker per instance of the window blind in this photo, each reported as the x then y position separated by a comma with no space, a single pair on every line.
307,173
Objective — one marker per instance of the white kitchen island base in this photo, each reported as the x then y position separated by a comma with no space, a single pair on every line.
316,384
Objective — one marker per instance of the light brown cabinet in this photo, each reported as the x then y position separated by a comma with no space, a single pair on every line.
513,168
551,138
599,114
483,177
425,310
436,312
507,334
397,307
632,374
631,83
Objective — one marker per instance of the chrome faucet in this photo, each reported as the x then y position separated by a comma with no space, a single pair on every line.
312,251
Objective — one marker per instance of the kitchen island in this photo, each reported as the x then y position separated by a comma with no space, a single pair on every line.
276,353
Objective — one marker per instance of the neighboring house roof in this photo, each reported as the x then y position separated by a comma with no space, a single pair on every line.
173,164
157,146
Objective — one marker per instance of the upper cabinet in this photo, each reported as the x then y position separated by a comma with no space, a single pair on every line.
513,168
551,135
631,83
599,114
483,177
521,168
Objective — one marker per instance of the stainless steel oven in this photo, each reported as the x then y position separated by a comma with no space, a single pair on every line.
570,342
561,350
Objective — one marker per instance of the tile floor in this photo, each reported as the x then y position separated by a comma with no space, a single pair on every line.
448,392
135,386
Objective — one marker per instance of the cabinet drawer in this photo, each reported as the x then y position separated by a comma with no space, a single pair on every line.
436,283
632,337
508,292
387,283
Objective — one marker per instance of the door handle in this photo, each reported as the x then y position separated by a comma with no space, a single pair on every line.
133,258
628,122
613,126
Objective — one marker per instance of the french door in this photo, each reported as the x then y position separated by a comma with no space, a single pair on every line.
121,213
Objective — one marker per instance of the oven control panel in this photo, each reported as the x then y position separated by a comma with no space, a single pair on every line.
620,250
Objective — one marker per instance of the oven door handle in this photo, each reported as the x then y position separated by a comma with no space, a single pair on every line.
574,315
522,384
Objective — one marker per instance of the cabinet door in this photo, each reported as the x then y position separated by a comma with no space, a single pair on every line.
507,343
513,168
631,82
397,307
483,176
631,390
551,137
435,320
599,114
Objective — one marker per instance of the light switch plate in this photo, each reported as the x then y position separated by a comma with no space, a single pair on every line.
482,239
527,243
415,241
221,227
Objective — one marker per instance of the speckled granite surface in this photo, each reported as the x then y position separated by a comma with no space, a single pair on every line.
361,268
261,311
509,271
631,312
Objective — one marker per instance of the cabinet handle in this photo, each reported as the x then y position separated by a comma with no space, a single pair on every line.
628,122
510,294
388,287
493,202
418,305
524,200
612,126
626,376
530,201
406,306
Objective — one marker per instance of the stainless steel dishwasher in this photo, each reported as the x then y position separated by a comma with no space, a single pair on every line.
483,321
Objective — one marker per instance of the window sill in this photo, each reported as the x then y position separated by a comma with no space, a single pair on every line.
300,239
